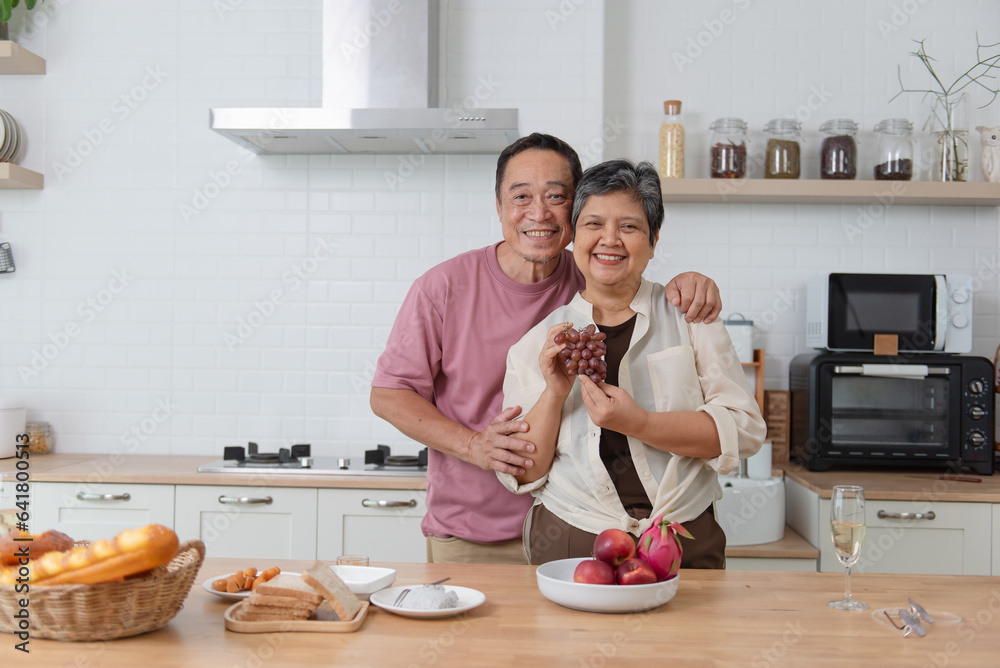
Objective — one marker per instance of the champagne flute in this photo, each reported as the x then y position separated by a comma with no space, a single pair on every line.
847,524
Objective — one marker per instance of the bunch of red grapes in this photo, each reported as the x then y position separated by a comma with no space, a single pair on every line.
584,352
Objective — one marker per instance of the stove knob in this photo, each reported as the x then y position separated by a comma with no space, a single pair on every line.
977,412
976,439
960,295
977,386
960,321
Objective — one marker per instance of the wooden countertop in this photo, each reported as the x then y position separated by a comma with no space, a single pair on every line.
916,485
718,618
791,546
183,470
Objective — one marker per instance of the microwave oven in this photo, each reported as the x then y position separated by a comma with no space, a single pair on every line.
926,312
919,410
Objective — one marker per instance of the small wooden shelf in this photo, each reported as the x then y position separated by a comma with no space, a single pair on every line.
15,59
758,364
798,191
15,177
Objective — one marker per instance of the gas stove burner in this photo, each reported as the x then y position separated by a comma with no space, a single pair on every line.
251,456
381,457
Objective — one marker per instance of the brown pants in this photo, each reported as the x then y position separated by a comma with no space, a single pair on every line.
550,538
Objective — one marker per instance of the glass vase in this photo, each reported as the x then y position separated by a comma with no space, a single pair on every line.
949,126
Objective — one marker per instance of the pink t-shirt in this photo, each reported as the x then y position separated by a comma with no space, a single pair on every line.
449,344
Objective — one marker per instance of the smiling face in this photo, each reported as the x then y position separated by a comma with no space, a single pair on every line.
535,203
612,245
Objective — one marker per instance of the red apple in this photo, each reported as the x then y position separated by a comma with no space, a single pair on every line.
593,571
614,546
635,572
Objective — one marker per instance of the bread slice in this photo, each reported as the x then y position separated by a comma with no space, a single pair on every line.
289,586
321,577
251,614
283,613
279,601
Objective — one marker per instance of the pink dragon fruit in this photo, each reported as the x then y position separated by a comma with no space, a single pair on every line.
660,548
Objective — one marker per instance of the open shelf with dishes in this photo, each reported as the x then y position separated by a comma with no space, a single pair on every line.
818,191
15,59
15,177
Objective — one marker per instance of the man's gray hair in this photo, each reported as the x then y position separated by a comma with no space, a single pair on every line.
640,181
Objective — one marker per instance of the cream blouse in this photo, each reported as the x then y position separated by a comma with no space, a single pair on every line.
671,365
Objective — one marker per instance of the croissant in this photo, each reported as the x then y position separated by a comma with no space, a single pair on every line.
17,544
130,552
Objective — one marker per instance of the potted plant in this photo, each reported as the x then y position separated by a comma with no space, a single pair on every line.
6,9
948,118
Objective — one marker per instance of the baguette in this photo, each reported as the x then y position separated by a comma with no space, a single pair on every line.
131,551
12,544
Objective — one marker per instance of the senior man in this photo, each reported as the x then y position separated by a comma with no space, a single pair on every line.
440,378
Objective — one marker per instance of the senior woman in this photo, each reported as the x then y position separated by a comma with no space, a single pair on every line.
674,411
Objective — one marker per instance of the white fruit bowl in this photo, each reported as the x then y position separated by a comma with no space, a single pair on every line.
555,581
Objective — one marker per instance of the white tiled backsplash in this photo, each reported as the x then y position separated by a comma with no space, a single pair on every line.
174,293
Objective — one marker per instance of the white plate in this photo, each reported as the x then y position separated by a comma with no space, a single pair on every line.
555,581
467,600
207,586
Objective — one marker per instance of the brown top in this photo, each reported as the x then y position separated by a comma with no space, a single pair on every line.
732,618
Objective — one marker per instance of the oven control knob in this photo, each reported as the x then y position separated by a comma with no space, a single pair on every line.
960,295
976,439
977,387
977,412
960,321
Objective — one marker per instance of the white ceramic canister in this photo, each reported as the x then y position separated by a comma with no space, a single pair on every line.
741,332
759,465
12,418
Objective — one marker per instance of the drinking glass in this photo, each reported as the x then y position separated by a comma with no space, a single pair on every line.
847,525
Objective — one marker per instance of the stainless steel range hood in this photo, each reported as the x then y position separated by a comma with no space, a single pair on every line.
380,71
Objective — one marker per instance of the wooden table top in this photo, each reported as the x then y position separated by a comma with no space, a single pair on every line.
718,618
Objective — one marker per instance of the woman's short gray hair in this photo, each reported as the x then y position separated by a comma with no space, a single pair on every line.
640,181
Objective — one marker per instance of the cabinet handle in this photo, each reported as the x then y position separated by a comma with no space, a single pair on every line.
90,496
929,515
368,503
245,500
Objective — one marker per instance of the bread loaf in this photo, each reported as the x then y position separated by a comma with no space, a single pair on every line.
130,552
14,544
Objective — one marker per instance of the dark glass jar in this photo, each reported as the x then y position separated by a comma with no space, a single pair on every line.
838,157
783,152
728,148
894,155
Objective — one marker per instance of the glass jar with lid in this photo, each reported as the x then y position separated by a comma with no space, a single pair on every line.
783,151
39,437
838,157
894,153
671,141
728,158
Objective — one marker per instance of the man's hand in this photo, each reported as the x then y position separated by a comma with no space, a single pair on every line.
696,295
611,407
496,449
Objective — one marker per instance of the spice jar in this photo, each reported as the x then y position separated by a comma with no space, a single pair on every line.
894,154
729,148
782,154
671,142
39,437
838,157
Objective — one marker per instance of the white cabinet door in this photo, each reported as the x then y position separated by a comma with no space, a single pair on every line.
996,539
249,522
381,523
88,511
917,537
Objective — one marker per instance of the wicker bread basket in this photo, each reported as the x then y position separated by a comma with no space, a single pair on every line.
107,610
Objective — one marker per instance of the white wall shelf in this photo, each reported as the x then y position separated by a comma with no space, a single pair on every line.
15,59
15,177
807,191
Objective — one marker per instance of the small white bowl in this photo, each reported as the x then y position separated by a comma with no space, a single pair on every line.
555,581
364,580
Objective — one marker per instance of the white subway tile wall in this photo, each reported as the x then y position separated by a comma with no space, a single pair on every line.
175,294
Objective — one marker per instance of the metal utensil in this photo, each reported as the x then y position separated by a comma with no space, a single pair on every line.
402,594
